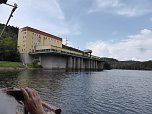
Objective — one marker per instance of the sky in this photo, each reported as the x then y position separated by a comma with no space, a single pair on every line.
120,29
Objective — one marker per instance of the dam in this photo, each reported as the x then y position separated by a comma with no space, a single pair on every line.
52,54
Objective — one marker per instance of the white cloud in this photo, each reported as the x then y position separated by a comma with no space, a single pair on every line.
128,8
135,47
45,15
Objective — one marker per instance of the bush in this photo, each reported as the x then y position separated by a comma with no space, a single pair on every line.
35,64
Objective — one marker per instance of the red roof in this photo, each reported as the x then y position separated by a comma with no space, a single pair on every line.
41,33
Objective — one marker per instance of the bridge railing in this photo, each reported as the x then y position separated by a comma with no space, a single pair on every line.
65,51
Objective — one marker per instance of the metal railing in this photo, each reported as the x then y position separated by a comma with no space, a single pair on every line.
65,51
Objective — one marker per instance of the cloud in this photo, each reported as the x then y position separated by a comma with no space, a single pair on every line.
45,15
135,47
128,8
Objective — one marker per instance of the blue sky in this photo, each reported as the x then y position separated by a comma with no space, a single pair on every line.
121,29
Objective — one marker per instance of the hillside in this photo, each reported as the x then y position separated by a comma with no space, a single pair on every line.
8,44
130,65
10,31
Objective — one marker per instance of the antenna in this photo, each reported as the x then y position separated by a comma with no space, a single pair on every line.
66,41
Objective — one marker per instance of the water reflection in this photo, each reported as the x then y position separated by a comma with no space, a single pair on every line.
107,92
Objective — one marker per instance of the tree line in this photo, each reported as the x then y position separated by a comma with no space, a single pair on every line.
110,63
8,44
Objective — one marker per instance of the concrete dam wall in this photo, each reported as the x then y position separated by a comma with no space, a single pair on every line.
70,62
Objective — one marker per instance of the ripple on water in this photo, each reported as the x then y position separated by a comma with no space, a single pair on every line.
107,92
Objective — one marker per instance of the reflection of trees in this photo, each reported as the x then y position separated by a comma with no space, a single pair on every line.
8,78
46,82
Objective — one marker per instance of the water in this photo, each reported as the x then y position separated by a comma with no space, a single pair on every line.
107,92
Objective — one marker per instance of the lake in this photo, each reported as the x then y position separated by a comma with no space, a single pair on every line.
106,92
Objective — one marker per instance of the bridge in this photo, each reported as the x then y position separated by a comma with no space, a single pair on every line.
61,58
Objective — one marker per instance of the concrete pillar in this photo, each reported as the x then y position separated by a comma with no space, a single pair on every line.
96,65
74,61
88,64
69,63
81,63
92,64
84,64
78,63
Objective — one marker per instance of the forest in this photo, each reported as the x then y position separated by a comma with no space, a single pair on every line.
111,63
8,44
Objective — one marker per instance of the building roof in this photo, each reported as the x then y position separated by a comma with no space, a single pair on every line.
41,32
71,48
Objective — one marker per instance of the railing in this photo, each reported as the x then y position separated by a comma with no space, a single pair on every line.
66,51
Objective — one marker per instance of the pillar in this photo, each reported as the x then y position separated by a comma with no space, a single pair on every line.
81,63
74,63
78,63
70,63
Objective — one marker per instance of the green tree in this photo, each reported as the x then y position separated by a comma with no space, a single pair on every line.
8,49
107,66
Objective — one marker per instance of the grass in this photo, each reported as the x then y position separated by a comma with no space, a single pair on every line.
11,64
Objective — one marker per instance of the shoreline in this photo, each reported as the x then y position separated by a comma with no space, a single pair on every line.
11,69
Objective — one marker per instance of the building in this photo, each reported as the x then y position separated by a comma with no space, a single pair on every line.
30,40
33,43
